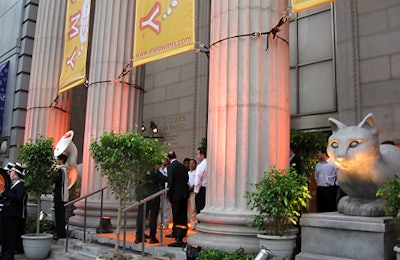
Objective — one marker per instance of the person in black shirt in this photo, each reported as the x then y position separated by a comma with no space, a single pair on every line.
296,162
178,195
60,182
152,182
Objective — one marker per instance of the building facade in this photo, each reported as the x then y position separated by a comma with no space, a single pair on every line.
342,59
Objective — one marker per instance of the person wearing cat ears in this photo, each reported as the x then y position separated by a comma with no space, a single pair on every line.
325,177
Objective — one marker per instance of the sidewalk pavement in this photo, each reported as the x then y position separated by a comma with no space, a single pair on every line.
100,246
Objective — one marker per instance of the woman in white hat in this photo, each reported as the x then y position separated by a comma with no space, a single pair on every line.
12,212
9,166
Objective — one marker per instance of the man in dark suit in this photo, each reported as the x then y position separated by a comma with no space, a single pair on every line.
60,182
178,195
296,162
152,182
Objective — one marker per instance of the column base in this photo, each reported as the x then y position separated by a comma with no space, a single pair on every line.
225,231
93,217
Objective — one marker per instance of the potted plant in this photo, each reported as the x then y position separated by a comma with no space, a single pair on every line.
278,199
390,193
37,156
124,158
211,253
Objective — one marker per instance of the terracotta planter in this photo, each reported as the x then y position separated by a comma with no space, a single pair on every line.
37,246
280,246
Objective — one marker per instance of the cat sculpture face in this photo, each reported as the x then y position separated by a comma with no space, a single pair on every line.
353,147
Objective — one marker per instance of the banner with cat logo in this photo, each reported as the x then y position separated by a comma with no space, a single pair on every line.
163,28
301,5
75,44
3,89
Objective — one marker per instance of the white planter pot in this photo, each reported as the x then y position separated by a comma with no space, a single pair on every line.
37,246
280,246
397,250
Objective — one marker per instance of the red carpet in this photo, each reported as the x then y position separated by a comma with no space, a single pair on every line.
131,236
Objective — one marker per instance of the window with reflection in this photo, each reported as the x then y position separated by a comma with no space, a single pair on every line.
312,61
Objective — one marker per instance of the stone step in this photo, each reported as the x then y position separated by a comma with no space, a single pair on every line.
308,256
150,252
57,252
79,250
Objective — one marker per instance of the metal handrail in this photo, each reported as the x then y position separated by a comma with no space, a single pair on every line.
84,217
143,202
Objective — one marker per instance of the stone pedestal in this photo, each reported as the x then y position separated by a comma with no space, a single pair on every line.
337,236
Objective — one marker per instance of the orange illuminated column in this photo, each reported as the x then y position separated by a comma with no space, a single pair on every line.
248,117
48,114
111,106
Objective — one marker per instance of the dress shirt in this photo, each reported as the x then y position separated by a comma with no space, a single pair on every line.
200,179
192,175
325,173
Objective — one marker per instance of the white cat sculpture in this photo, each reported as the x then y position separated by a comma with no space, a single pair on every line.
363,164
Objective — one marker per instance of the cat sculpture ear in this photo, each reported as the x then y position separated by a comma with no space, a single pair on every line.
336,125
368,123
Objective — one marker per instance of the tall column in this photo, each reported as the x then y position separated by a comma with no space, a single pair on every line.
48,113
249,121
111,106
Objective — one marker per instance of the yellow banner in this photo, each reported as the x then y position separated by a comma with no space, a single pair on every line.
75,44
163,28
301,5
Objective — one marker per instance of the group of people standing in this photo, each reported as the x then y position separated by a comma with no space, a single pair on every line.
186,195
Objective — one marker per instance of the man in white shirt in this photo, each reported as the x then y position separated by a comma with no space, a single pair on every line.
200,181
325,177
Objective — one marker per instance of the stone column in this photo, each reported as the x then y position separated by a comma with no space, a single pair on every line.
48,113
111,105
249,122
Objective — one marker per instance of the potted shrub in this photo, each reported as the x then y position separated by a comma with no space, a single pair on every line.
37,156
278,199
390,193
124,158
211,253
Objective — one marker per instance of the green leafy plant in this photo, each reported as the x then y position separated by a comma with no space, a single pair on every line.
124,158
203,142
217,254
389,191
46,226
37,156
278,199
306,145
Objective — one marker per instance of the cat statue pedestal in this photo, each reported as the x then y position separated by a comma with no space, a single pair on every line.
335,236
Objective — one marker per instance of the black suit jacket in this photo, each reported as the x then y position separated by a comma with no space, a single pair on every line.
15,197
297,163
152,182
177,181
